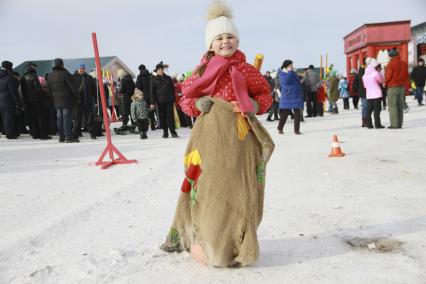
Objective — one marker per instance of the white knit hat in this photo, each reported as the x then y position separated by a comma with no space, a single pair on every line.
219,22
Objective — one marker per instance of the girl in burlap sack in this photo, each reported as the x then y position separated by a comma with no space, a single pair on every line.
221,202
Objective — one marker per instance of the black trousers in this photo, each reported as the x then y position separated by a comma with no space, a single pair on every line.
374,105
311,104
2,124
346,103
21,122
83,115
275,107
50,116
152,120
142,125
355,100
167,120
37,120
8,119
185,120
116,110
384,99
320,109
124,106
284,113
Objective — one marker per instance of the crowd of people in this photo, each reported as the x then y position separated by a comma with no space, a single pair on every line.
42,106
375,86
64,104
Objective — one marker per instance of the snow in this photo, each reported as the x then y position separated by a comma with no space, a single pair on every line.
63,220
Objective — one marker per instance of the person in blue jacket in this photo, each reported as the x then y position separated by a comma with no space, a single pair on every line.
291,96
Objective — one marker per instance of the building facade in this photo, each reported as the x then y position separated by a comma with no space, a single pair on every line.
371,39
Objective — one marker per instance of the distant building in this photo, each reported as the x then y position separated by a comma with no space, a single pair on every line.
111,63
417,46
369,39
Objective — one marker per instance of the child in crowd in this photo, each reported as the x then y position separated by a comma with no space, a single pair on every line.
139,113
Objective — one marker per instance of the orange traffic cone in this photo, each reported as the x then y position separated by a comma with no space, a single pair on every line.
335,148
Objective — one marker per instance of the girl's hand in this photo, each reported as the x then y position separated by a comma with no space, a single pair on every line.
237,108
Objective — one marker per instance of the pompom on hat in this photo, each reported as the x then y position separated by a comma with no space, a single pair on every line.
219,18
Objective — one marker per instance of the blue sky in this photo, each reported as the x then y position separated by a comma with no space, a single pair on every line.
173,31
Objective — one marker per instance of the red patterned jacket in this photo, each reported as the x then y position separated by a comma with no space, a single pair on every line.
257,87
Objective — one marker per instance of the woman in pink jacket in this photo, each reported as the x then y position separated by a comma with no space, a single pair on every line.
372,80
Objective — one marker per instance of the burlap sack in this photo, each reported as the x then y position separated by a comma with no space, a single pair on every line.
221,203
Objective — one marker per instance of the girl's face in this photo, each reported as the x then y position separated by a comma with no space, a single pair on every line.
225,45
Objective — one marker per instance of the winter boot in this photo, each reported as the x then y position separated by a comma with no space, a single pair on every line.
120,131
132,129
71,140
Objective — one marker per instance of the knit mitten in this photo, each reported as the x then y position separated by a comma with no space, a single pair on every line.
255,106
204,104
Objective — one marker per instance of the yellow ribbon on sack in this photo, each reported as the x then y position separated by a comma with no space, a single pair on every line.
242,127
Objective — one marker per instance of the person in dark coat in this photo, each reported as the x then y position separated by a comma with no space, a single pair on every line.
163,96
359,87
49,106
311,80
353,87
20,114
291,96
10,102
143,83
65,95
275,103
418,75
33,98
84,111
126,90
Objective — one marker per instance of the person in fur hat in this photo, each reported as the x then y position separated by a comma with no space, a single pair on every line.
139,112
221,201
126,90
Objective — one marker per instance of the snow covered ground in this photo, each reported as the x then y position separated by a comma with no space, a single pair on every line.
65,221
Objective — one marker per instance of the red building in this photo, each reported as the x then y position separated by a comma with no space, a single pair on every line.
369,39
